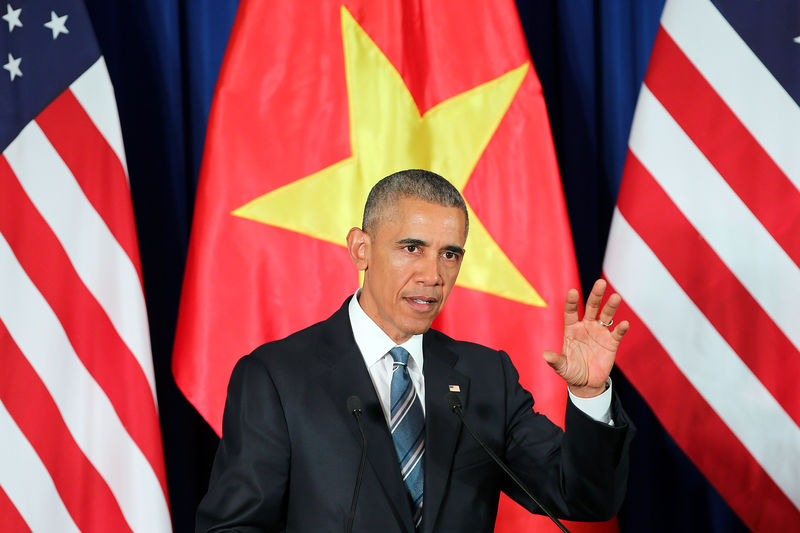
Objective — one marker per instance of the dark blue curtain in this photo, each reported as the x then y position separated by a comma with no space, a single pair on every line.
163,57
591,56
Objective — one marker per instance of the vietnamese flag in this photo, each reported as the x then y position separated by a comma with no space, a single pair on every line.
312,108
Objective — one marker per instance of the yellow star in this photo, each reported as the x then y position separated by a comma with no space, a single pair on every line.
387,134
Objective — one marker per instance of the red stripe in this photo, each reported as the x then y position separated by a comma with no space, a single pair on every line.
726,143
91,333
10,519
711,286
702,434
83,491
96,167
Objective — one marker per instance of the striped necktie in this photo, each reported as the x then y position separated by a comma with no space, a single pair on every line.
408,430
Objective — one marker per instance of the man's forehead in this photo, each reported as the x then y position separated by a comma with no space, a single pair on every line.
414,212
411,206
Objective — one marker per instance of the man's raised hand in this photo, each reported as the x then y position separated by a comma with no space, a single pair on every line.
590,345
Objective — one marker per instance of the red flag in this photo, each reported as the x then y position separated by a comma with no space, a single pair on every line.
704,250
312,109
81,444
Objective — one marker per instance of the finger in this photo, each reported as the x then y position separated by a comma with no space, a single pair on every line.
557,361
607,314
595,297
571,307
618,332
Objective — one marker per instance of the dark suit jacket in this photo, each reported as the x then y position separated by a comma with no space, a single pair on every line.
290,448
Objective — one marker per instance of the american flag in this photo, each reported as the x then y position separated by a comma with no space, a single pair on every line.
705,247
80,445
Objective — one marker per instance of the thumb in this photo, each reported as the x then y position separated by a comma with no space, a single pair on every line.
557,361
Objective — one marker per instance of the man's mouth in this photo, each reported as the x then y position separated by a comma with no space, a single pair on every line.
421,303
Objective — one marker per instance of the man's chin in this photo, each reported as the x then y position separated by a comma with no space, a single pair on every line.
418,327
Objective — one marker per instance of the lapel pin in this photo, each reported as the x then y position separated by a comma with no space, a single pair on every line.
455,388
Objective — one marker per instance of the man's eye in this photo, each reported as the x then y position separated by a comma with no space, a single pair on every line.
450,255
412,248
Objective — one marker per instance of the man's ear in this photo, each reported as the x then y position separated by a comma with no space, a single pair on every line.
358,243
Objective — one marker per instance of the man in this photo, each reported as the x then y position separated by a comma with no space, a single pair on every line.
290,448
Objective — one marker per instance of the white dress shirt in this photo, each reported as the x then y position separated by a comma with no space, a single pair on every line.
375,344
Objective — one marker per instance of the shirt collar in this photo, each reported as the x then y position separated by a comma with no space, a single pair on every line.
373,342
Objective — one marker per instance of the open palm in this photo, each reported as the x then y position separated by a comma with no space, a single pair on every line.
590,345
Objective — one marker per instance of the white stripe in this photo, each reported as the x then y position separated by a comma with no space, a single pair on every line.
714,209
708,362
414,460
27,483
99,260
404,409
86,410
739,77
95,93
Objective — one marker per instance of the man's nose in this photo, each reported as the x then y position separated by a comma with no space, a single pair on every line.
430,271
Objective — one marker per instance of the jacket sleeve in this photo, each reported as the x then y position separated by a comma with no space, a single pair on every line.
580,473
247,489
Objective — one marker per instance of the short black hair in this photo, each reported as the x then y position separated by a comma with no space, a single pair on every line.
411,183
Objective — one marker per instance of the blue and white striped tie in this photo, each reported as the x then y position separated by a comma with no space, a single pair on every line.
408,430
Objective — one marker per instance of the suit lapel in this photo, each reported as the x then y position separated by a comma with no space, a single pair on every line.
349,376
442,426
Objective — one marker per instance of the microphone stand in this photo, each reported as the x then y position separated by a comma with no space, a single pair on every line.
355,407
454,403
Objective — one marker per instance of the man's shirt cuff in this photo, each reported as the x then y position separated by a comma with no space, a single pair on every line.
598,408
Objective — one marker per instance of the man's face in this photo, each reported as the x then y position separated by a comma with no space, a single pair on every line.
411,262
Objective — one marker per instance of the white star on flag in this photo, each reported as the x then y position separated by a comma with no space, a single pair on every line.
797,39
12,17
13,66
57,24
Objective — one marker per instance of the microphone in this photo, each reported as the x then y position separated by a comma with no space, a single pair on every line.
355,407
454,403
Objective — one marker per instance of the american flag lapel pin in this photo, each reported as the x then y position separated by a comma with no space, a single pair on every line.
455,388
